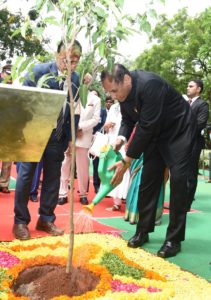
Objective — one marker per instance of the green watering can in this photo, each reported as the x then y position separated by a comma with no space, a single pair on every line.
108,157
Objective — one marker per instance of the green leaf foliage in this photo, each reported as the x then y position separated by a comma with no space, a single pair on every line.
12,42
180,50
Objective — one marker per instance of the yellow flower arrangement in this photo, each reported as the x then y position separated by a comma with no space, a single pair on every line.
107,257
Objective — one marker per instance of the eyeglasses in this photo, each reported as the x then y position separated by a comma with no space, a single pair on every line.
72,61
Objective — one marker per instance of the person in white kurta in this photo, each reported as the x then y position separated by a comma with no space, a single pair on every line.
89,118
112,125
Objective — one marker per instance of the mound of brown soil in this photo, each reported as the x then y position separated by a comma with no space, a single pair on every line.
48,281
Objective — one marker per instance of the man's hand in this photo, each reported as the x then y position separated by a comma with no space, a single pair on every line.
118,144
79,133
120,169
108,125
68,151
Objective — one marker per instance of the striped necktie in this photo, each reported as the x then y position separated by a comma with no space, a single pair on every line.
60,120
59,127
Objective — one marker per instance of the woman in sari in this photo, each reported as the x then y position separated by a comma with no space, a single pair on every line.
131,210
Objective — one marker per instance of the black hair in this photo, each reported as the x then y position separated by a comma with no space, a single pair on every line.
61,45
199,83
95,90
109,98
117,74
7,67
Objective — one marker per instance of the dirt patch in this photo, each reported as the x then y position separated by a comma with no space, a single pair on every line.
48,281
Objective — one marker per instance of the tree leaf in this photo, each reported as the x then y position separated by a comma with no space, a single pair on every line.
16,32
99,11
24,64
24,29
101,49
40,4
83,93
51,20
42,82
14,68
94,37
152,13
120,3
110,63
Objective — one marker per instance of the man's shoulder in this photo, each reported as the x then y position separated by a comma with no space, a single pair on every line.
202,102
146,77
47,67
93,98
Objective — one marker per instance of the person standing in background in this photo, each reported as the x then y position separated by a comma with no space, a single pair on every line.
108,103
66,164
200,109
89,118
6,165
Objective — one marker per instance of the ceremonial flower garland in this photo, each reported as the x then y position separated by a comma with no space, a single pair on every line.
123,273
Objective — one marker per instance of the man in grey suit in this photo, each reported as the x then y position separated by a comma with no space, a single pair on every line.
165,132
200,109
54,152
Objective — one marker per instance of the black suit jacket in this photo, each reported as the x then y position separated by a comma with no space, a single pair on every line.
200,109
164,118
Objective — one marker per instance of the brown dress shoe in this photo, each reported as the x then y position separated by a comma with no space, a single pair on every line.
4,190
49,227
21,232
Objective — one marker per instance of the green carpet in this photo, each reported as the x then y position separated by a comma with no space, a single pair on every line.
196,250
12,183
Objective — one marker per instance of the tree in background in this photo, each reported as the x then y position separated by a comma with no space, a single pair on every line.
19,45
181,50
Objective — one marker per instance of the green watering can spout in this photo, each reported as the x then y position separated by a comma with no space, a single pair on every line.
108,157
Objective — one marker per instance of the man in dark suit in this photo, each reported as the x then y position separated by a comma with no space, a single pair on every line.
54,152
200,109
164,133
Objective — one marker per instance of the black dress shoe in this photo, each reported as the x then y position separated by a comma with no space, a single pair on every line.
33,198
138,240
169,249
62,201
83,200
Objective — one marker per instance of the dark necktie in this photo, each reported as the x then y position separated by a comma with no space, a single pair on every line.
190,101
60,120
